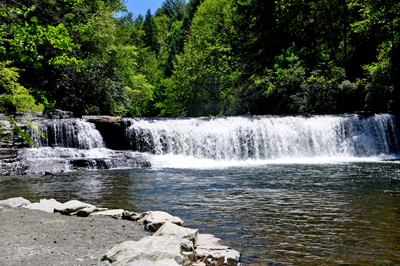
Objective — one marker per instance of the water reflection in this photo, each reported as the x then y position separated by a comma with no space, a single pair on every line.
277,214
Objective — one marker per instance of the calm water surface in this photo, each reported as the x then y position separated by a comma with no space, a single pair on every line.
330,214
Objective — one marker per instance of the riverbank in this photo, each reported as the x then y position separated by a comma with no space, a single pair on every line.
33,237
77,233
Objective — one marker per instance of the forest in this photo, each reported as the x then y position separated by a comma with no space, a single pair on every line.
200,57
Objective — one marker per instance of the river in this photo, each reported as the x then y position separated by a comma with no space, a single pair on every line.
336,206
276,214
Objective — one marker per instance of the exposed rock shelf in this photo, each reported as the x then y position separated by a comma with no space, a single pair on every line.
30,233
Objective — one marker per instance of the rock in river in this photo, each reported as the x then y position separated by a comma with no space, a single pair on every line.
153,220
172,229
152,248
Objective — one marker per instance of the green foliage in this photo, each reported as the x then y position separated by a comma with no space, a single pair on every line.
379,85
13,93
325,91
96,90
295,89
16,96
203,71
22,35
203,57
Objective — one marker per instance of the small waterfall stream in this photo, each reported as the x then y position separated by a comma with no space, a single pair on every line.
68,133
76,144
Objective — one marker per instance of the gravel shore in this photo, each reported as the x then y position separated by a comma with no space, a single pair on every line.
30,237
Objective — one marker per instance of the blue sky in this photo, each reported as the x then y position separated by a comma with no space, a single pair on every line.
137,7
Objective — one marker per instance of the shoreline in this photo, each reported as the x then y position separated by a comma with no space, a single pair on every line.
38,237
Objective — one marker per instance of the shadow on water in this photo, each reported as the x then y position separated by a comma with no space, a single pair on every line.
329,214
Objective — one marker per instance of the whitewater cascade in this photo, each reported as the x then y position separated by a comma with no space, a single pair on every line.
266,137
68,145
76,144
68,133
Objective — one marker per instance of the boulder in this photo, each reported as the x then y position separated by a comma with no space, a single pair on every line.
153,220
216,260
169,262
114,213
60,114
209,240
44,205
152,248
132,216
14,202
72,206
102,118
169,228
85,212
214,254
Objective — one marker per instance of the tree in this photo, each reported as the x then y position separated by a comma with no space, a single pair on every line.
149,37
206,68
381,18
13,96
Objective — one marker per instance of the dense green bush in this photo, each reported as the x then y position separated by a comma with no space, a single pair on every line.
96,90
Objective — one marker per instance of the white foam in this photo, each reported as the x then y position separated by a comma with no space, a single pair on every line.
190,162
266,138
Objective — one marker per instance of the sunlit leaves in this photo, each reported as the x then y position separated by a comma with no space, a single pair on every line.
22,38
13,93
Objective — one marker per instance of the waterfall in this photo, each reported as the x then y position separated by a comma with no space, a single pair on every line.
265,137
70,144
76,144
68,133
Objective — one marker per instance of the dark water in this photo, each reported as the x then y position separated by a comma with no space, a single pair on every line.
330,214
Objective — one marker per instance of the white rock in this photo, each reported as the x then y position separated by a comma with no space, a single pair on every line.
199,264
208,240
155,219
15,202
44,205
72,206
152,248
232,257
117,213
169,228
169,262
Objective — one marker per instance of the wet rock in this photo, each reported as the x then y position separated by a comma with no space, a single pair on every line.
15,202
152,248
72,206
44,205
153,220
8,153
113,213
169,228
